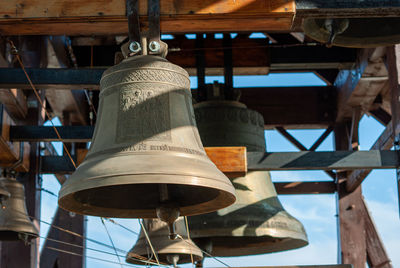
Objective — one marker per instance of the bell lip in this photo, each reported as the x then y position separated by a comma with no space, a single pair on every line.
257,248
184,260
225,197
29,235
309,24
184,253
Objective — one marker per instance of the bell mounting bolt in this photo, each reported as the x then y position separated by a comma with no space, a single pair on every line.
141,43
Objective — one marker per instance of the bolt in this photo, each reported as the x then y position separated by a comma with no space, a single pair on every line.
134,47
154,46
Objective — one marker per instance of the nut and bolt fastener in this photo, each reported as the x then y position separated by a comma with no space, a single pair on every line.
134,47
154,46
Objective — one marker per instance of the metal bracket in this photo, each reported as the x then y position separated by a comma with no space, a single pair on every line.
141,43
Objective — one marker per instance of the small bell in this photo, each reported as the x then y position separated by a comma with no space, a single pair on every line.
354,32
146,155
256,223
14,220
169,251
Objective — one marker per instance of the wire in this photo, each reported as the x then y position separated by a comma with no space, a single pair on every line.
14,51
148,241
122,226
188,234
204,252
112,242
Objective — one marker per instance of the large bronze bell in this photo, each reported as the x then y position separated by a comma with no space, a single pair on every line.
14,220
146,153
169,251
354,32
256,223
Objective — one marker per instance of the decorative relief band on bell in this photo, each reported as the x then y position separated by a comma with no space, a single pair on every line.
116,79
245,116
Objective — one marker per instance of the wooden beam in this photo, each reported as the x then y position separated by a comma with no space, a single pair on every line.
73,102
279,106
341,160
361,85
302,187
73,223
376,253
350,214
74,17
384,142
230,160
348,9
251,56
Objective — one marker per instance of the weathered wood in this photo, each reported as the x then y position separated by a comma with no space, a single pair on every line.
71,222
384,142
349,8
104,17
341,160
361,85
376,253
73,102
279,108
302,187
14,101
232,161
351,217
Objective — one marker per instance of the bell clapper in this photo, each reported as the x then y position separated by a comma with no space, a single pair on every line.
168,211
173,259
335,27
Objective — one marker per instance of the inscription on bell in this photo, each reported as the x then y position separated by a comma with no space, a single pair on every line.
143,115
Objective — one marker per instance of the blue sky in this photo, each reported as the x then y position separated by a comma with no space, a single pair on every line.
316,212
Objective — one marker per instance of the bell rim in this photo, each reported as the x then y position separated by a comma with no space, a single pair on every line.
257,248
309,24
186,259
226,196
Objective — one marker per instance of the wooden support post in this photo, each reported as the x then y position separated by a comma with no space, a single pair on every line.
50,258
17,254
350,211
376,254
393,62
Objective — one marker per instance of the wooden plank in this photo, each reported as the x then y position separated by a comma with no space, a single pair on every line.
340,160
14,101
71,222
348,8
337,160
384,142
232,161
376,253
47,133
352,247
99,17
361,85
308,187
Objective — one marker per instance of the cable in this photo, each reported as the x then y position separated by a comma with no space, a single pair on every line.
206,253
14,51
188,234
122,226
148,241
112,242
